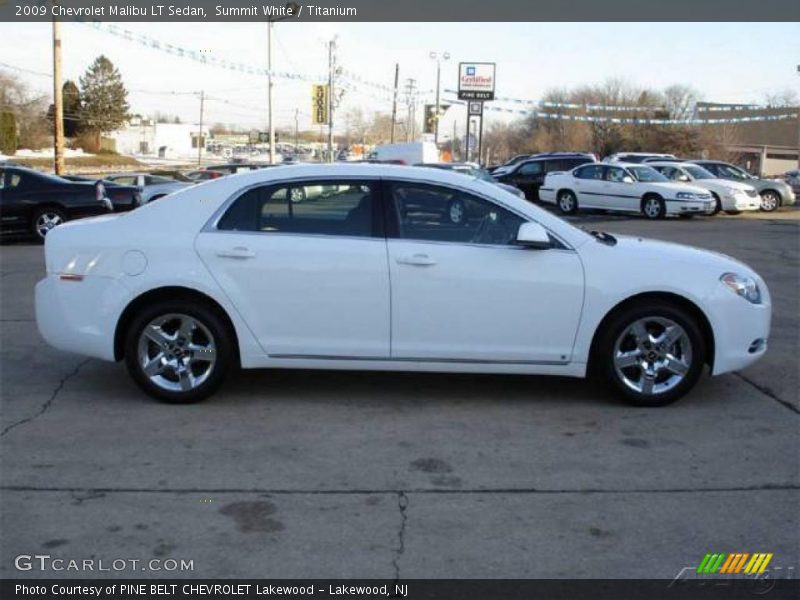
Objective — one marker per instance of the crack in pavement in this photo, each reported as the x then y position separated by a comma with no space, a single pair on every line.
402,504
400,493
768,392
48,403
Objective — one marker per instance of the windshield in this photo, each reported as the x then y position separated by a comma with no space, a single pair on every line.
699,173
735,172
646,174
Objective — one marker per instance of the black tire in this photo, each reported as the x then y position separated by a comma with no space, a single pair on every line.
154,198
222,339
567,202
653,207
770,201
717,204
604,351
456,212
50,213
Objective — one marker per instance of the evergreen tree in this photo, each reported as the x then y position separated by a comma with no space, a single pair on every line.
105,99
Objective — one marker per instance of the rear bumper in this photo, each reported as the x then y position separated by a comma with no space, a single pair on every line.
80,316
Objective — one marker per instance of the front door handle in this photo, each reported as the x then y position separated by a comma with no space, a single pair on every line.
419,260
238,252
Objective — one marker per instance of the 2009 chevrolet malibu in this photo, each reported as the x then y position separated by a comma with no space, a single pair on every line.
365,267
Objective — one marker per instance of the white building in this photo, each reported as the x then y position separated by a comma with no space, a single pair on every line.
145,137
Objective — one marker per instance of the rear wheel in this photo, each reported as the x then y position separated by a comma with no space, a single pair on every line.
178,352
45,220
653,208
651,354
457,212
567,203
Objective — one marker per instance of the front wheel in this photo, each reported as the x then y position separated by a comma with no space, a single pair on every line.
770,201
567,203
45,220
653,208
651,354
178,352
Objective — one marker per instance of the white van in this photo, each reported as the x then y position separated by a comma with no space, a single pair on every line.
406,154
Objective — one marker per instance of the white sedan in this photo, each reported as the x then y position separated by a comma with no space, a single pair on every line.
624,187
376,277
731,196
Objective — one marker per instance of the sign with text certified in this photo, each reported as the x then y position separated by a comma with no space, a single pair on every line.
476,81
319,104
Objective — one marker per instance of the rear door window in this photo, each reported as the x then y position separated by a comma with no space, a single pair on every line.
339,208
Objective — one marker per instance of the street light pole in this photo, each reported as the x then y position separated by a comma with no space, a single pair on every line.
435,56
269,95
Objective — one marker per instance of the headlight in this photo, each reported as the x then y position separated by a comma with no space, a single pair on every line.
735,191
685,196
746,287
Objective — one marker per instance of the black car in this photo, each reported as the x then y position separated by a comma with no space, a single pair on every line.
529,174
33,203
514,160
123,197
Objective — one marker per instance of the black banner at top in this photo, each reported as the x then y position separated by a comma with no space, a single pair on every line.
401,10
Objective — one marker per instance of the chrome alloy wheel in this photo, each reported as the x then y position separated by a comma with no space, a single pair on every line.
566,202
177,352
47,221
769,201
457,211
652,355
652,208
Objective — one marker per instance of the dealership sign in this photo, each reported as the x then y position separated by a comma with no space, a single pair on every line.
476,81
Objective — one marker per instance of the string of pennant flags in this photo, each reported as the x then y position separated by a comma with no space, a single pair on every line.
355,83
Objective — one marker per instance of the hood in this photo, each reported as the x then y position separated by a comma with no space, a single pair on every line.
674,187
656,250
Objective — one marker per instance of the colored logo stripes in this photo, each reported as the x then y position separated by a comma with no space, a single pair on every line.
735,563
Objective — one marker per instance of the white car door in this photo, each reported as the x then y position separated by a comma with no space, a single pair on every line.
305,265
466,292
621,190
589,186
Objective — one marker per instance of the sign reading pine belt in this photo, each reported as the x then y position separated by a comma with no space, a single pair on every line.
476,81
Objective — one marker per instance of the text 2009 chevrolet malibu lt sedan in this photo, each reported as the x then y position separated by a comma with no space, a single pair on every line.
368,272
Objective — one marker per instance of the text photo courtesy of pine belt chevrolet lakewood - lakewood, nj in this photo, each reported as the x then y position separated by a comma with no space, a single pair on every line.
424,300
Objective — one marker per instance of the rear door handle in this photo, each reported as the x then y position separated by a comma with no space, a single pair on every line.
419,260
238,252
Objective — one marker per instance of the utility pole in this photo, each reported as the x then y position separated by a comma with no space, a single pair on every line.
435,56
331,102
296,130
394,100
411,100
269,95
453,141
200,138
58,101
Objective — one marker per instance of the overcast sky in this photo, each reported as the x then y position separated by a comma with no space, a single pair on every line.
728,62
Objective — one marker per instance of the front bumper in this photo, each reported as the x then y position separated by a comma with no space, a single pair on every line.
741,329
80,316
690,207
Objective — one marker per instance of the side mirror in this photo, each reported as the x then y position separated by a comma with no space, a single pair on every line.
627,179
533,235
684,178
